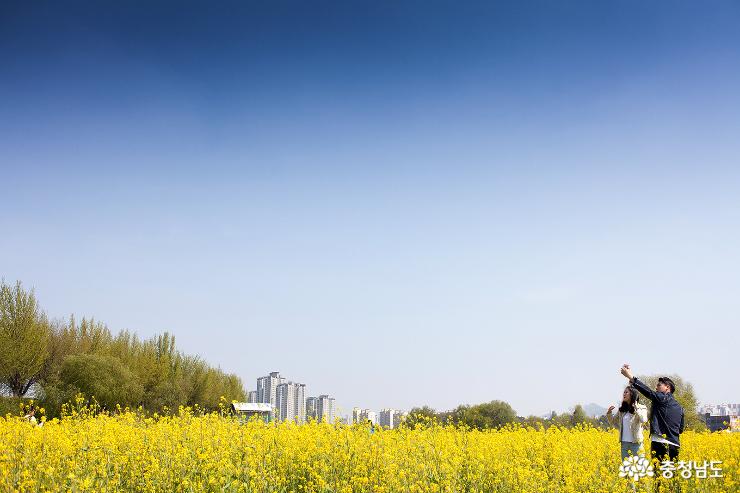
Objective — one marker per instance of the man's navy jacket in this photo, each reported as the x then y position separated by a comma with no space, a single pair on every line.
667,413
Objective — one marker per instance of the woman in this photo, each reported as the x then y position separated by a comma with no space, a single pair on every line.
630,418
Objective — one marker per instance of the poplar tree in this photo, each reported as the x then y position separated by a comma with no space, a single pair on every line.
24,339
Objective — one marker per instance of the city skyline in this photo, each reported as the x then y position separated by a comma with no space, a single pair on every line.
317,405
290,401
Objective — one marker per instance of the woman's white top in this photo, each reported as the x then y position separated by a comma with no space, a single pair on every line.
627,427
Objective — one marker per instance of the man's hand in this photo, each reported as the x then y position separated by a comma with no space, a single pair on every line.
609,411
626,371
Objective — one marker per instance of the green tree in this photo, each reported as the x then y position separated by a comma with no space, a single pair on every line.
579,416
684,394
24,339
454,416
563,419
49,354
103,377
421,416
487,415
534,421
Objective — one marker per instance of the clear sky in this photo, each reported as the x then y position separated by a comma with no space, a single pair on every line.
397,203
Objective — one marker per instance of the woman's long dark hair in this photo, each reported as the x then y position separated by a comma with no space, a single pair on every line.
634,397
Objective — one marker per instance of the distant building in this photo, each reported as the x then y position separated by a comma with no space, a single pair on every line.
724,409
389,418
290,402
321,408
267,388
312,405
325,409
364,415
722,422
368,415
300,403
248,410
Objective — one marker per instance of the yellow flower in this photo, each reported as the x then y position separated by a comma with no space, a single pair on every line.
210,452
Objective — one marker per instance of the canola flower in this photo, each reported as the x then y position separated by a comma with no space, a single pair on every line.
194,452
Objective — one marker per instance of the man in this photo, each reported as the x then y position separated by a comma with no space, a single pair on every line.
667,417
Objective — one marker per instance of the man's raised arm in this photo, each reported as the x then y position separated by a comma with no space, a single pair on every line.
644,389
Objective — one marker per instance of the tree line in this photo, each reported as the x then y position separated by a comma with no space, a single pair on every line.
495,414
53,361
479,416
499,413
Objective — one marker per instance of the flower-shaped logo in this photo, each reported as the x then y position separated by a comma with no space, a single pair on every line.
635,467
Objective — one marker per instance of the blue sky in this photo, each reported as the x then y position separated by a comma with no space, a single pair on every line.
397,203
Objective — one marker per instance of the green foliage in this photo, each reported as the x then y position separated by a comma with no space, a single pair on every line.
534,421
103,377
487,415
579,416
421,416
55,395
685,396
10,405
24,339
65,358
574,418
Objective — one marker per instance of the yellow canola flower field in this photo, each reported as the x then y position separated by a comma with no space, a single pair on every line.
184,453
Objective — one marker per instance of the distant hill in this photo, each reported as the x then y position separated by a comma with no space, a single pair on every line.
594,410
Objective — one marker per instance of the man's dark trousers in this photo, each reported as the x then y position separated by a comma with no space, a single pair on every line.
660,450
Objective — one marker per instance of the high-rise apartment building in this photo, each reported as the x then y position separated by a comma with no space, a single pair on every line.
325,409
300,403
724,409
290,402
252,397
267,388
312,405
368,415
389,418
